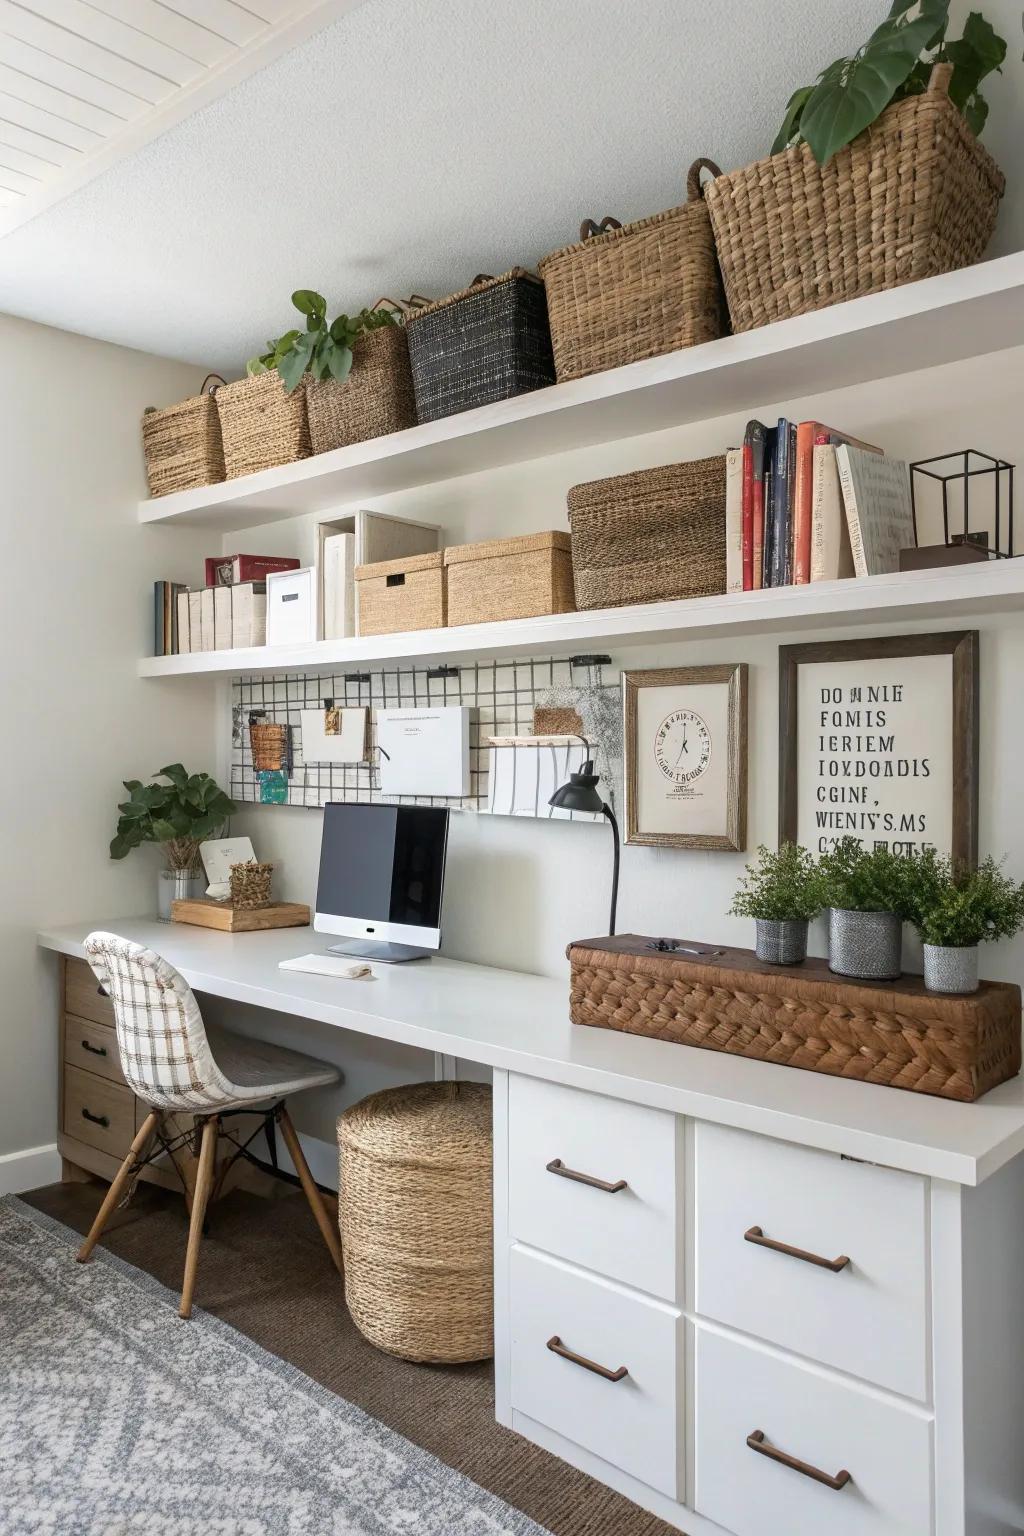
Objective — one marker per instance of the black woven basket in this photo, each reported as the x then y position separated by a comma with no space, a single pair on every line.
487,343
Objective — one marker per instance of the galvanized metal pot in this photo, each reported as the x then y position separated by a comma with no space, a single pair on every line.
868,945
951,969
782,940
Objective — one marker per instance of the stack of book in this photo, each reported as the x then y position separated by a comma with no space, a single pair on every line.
228,613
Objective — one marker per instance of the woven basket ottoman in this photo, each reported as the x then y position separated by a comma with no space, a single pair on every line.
416,1220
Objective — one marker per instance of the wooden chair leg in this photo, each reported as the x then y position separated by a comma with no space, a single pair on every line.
139,1148
200,1195
328,1228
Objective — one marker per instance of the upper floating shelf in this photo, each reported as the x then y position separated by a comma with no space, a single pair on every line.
921,325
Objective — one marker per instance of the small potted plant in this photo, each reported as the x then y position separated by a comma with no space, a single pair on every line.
781,891
955,909
177,815
866,893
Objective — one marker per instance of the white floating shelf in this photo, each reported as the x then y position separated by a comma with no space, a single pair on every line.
921,325
995,587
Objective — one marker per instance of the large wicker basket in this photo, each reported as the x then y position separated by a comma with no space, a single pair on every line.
635,290
651,536
262,425
182,443
416,1219
914,195
375,399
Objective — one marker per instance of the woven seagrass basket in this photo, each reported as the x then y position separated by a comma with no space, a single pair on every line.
375,399
502,579
914,195
651,536
403,594
415,1209
261,425
629,291
487,343
182,443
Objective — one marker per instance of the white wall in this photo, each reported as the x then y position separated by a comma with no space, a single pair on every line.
1003,134
76,614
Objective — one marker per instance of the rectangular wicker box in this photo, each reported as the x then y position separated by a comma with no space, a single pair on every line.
403,594
895,1034
182,444
509,579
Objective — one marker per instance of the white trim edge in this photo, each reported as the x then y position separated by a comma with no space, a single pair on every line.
30,1169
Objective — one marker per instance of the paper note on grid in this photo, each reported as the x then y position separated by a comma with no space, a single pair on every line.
521,779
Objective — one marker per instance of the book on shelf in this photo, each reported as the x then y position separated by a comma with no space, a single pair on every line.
769,519
248,614
781,540
811,435
222,618
737,544
754,441
831,556
879,515
165,616
184,626
231,570
337,554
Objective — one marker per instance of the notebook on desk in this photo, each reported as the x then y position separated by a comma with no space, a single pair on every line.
327,965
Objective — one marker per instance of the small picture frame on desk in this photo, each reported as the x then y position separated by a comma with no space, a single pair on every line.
686,757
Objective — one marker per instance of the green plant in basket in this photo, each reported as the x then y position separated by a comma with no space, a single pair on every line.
322,350
178,815
859,879
779,886
955,907
894,63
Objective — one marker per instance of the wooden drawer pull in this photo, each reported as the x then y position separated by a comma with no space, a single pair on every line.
755,1235
758,1443
557,1166
558,1348
94,1050
103,1120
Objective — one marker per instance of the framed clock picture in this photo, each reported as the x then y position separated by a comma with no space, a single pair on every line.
686,756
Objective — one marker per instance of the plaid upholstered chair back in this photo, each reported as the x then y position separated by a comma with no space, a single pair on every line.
165,1054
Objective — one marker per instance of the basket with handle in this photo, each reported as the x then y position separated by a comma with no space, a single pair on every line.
913,195
182,443
629,291
376,398
261,424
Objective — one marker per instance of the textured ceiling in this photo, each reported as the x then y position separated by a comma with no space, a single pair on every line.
406,147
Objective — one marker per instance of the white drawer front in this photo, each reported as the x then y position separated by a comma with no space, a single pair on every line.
630,1422
828,1425
870,1317
629,1232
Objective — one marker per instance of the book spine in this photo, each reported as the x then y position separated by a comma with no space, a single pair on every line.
846,485
207,632
158,618
738,546
803,492
830,541
746,513
222,610
184,640
790,502
780,504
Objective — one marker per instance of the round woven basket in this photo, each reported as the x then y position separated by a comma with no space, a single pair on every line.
416,1220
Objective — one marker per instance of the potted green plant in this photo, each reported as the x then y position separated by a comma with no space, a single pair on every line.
178,816
781,891
954,909
866,891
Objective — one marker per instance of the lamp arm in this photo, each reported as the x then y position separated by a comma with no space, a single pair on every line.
610,814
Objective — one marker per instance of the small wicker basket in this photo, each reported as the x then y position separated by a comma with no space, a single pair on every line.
261,425
914,195
251,884
631,291
375,399
502,579
398,595
415,1211
182,443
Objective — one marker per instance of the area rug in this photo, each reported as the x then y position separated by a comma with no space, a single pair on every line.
118,1417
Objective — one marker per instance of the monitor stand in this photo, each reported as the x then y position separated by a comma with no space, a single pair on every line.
378,949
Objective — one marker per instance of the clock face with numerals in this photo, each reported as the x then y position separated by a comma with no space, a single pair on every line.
682,746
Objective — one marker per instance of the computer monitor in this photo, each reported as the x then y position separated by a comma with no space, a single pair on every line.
381,879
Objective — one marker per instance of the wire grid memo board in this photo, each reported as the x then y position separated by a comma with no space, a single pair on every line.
501,694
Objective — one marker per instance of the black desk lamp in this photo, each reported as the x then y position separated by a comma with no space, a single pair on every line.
581,794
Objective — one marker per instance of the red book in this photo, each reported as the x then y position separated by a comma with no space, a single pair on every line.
754,440
748,516
231,570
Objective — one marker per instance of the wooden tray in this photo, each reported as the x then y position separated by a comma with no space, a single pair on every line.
205,913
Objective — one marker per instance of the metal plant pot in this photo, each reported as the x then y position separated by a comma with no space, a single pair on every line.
868,945
176,885
949,969
781,940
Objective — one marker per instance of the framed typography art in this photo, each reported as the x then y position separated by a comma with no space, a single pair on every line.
878,740
686,756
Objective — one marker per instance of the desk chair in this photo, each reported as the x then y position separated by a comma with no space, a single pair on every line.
177,1067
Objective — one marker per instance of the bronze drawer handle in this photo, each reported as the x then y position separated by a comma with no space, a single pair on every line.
97,1119
758,1443
558,1348
755,1235
557,1166
95,1050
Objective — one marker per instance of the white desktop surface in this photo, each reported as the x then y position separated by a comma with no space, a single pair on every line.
520,1022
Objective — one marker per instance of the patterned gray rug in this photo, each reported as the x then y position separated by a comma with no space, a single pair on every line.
117,1417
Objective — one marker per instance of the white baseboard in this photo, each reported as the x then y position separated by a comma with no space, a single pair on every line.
30,1169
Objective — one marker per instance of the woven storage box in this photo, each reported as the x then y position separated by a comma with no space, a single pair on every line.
509,579
913,195
651,536
416,1220
802,1016
635,290
182,444
261,425
486,343
397,595
374,400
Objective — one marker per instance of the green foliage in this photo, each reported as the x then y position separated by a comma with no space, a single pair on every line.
858,879
178,815
322,350
955,906
894,63
779,885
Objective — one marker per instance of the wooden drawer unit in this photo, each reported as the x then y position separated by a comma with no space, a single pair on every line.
620,1397
98,1112
752,1407
83,996
93,1048
596,1180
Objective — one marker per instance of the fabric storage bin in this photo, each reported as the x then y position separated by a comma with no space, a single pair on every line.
651,536
913,195
396,595
509,579
182,443
375,399
629,291
487,343
261,425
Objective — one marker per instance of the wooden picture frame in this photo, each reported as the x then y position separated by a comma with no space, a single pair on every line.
962,647
665,809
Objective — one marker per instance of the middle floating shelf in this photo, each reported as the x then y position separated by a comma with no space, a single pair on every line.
996,587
